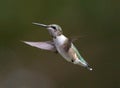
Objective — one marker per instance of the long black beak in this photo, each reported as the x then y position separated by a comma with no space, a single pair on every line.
42,25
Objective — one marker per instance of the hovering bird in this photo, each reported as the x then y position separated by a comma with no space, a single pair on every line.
60,44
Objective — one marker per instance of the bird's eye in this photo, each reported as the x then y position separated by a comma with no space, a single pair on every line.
53,27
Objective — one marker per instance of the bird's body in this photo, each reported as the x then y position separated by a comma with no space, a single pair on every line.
60,44
72,54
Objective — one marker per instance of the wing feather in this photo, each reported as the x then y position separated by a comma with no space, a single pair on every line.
48,45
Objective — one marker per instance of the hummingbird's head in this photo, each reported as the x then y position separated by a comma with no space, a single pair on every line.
54,29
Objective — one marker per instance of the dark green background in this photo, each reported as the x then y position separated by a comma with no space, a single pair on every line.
22,66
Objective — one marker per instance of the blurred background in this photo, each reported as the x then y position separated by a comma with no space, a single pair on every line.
22,66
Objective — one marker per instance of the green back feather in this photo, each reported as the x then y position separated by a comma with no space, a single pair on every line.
78,54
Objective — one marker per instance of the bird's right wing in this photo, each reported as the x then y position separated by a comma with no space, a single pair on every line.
47,45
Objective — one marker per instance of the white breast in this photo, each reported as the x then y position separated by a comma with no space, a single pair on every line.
60,40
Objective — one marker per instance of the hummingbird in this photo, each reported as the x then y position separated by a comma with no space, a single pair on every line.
60,44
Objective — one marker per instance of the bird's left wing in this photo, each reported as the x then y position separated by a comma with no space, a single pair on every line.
47,45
